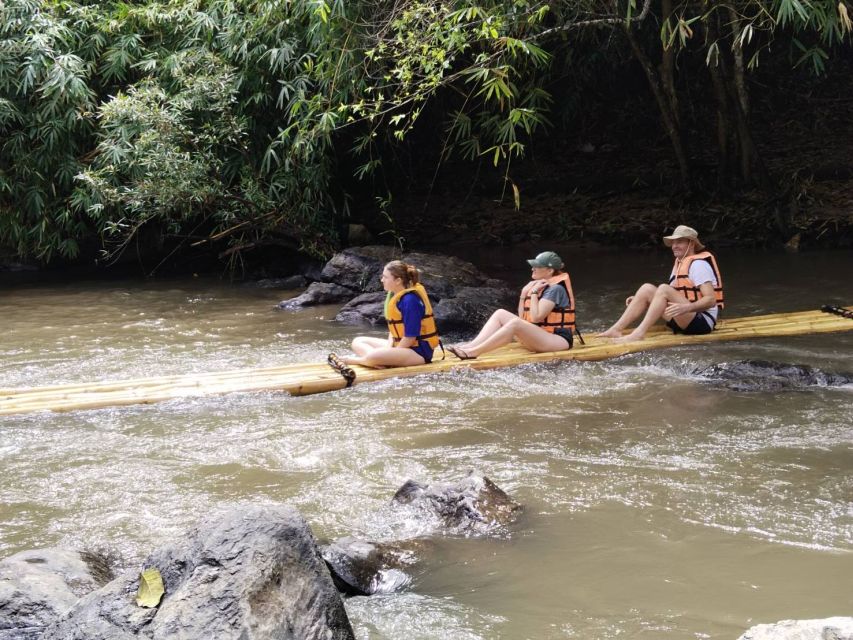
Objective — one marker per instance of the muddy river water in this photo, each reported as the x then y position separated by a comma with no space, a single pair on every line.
657,504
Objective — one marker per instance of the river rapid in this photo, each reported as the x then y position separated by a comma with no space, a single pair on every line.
657,504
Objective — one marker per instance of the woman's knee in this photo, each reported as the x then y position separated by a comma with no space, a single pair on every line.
515,323
360,341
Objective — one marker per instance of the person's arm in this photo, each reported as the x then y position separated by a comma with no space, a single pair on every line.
705,302
525,291
539,309
413,311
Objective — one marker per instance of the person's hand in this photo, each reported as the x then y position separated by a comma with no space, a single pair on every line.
537,287
676,309
529,288
629,300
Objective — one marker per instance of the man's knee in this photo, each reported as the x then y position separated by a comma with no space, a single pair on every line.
646,291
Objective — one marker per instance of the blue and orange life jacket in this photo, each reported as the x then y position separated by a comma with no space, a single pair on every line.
428,332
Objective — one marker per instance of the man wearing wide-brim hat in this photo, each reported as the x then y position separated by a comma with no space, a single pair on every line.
689,303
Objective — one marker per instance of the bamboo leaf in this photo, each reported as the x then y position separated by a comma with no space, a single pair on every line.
844,17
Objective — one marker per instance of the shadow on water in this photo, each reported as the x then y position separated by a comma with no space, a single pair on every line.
657,504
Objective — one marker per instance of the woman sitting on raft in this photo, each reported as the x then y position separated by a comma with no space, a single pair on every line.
546,314
412,335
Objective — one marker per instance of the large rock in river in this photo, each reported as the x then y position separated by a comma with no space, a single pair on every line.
472,306
359,268
472,506
762,375
463,297
251,573
368,307
38,586
317,293
838,628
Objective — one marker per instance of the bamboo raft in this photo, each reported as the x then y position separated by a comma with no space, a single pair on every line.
308,378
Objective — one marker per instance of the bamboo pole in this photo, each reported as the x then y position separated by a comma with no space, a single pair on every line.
310,378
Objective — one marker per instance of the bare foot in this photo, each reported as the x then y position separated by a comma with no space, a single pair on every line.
631,337
610,333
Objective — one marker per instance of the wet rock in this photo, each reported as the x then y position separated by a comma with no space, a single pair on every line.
762,375
838,628
38,586
359,268
363,568
250,573
317,293
311,270
444,276
472,506
472,306
462,296
366,308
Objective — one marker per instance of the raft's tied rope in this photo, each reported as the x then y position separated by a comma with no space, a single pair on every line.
338,365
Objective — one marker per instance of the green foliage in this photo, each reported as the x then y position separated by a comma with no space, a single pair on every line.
224,121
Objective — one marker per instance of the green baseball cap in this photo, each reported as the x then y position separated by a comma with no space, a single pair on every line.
547,259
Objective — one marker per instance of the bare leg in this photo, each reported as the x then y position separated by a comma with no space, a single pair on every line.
531,336
499,319
663,296
636,307
387,357
362,345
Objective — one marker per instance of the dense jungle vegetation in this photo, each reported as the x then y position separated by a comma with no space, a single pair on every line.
233,126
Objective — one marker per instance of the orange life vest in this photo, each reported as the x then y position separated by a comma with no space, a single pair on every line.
680,278
559,317
428,332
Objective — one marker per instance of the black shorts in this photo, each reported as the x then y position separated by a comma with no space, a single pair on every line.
565,334
701,324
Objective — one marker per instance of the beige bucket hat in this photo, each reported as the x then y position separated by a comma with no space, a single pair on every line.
683,231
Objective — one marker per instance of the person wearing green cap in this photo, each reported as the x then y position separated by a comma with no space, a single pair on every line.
545,319
689,304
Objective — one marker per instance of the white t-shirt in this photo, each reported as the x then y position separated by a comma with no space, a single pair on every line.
699,273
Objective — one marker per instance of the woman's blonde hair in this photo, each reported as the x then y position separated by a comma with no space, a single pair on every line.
406,272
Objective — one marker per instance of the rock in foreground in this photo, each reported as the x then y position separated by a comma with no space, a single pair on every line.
253,573
363,568
38,586
472,506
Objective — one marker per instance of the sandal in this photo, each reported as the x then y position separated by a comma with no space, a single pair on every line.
459,353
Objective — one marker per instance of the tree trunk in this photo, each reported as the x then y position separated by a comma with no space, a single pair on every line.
731,92
667,67
667,110
724,115
723,129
